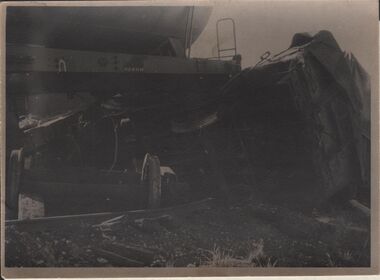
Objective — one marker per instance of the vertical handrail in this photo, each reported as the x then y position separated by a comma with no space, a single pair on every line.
191,31
234,48
188,31
186,28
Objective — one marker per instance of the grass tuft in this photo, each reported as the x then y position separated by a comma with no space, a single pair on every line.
255,258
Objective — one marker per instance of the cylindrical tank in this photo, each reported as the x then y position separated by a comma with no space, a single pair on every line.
131,29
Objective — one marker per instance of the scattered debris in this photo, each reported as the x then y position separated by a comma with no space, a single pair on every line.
246,236
140,254
154,224
54,223
117,259
363,209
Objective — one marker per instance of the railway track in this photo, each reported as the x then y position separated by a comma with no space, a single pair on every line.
57,222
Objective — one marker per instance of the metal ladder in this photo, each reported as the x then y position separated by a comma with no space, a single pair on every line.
221,51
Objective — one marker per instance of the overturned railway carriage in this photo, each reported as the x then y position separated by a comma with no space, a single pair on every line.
105,114
309,106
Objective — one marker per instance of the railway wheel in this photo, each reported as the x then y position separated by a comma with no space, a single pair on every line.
151,181
14,172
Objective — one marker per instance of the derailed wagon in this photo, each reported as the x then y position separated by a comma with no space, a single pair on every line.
93,103
318,97
133,130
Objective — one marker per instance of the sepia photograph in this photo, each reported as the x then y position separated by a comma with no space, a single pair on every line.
213,137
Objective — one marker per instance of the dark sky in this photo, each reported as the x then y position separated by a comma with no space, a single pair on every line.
269,26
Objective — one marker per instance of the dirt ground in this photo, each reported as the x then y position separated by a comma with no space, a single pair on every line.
248,230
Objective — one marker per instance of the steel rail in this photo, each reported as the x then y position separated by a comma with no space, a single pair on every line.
55,222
